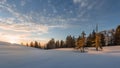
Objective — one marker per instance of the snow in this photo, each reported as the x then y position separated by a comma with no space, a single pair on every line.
17,56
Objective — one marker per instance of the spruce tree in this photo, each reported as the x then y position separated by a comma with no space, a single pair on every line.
117,36
31,44
62,44
36,45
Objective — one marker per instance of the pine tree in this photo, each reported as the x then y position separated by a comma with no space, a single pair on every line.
39,45
112,38
73,41
31,44
51,44
27,44
91,39
57,45
62,44
70,41
117,36
36,44
80,44
93,35
102,40
77,41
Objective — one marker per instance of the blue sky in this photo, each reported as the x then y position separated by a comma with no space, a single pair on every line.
28,20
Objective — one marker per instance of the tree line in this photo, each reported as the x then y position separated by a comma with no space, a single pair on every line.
70,41
34,44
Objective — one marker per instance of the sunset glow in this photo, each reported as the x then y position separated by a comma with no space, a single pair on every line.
13,39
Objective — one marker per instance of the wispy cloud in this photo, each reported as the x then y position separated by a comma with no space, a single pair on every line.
83,3
23,2
38,21
31,27
41,22
3,1
20,22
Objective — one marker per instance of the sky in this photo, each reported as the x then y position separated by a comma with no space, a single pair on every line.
41,20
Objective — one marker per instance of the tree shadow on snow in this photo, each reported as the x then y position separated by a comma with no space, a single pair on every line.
78,51
94,49
113,52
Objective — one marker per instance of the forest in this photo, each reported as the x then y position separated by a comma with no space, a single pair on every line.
108,38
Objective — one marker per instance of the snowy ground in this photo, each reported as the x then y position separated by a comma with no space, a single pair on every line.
15,56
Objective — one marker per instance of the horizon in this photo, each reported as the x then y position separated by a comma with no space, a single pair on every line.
41,20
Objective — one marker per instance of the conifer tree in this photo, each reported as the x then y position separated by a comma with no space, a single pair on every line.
31,44
36,44
70,41
51,44
39,45
57,45
27,44
62,44
117,36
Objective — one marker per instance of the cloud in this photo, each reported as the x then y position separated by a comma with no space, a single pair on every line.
3,1
32,25
23,2
24,27
19,21
77,1
88,4
88,9
83,3
37,20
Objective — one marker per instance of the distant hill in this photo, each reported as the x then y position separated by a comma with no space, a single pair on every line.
4,43
7,43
